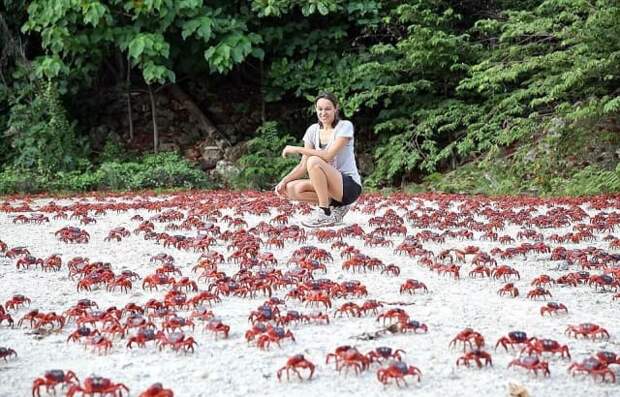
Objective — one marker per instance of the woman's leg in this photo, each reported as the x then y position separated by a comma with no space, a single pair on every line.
326,180
301,190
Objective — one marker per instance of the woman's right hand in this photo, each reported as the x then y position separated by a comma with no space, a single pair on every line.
281,188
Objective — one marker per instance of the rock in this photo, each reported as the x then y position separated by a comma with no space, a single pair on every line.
187,137
365,163
225,171
209,156
233,153
192,154
169,147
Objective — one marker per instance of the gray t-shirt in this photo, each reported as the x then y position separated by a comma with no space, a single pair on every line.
344,161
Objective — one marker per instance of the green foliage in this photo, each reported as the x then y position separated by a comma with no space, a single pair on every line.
156,36
162,170
263,166
41,135
464,97
153,171
589,181
113,150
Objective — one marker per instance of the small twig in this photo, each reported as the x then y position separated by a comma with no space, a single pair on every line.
397,303
392,329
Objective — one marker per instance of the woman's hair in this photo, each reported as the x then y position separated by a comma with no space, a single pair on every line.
332,98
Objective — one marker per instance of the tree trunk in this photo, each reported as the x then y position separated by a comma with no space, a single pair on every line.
129,111
155,131
205,124
263,114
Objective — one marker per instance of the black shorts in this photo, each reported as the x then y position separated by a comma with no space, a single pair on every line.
350,191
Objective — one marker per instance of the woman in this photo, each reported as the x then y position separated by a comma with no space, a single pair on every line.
329,160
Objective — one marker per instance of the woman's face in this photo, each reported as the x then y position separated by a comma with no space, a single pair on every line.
326,111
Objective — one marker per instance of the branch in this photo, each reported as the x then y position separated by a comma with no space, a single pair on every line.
204,122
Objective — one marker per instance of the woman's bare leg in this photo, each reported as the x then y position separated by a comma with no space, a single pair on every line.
326,180
301,190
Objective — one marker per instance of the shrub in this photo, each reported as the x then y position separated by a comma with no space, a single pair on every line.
264,166
41,134
161,170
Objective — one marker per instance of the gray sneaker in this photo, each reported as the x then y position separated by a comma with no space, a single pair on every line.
319,219
340,212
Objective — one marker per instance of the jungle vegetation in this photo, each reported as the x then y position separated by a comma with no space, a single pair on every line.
487,96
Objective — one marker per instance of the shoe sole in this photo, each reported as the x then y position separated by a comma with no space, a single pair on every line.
313,226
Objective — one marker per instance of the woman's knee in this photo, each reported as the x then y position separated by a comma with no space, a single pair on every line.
313,162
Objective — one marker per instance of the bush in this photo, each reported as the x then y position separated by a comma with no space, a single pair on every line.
264,166
24,182
162,170
153,171
41,134
589,181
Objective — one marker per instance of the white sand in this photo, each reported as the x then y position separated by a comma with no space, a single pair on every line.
233,368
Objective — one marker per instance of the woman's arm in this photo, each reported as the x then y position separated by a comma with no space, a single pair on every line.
300,169
326,155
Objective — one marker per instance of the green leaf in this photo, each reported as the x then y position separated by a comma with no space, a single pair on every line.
136,47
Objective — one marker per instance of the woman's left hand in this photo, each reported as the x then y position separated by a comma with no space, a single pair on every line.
289,150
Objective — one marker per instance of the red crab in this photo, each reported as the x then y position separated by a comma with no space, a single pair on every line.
350,309
397,371
411,286
294,364
16,301
273,334
317,298
508,289
539,346
99,343
53,378
17,251
142,336
317,317
505,272
117,234
292,316
539,292
532,363
587,330
186,284
513,338
256,330
412,325
217,327
397,314
384,353
154,280
481,271
82,332
52,263
157,390
5,316
542,281
608,357
553,308
173,323
27,261
594,367
467,336
176,340
7,352
477,356
53,319
349,357
370,305
391,270
100,385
